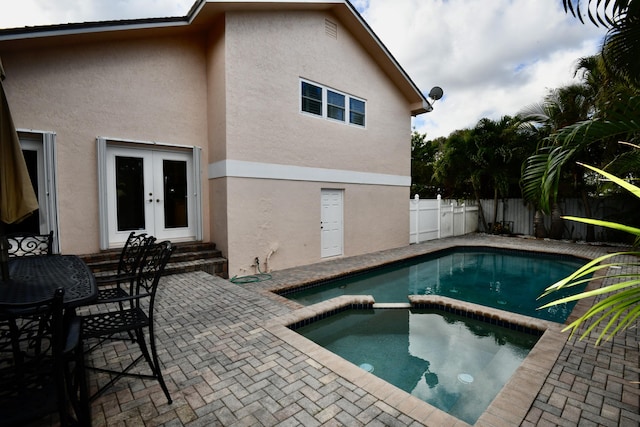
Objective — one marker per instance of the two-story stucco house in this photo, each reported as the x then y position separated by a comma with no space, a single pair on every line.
276,129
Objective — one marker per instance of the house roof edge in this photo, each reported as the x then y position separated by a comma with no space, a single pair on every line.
419,103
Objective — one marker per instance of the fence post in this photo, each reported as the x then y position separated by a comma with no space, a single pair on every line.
439,198
417,199
453,219
464,219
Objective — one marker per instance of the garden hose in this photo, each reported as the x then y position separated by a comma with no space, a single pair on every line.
252,278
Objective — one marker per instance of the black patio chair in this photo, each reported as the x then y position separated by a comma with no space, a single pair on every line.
41,364
134,316
29,244
121,284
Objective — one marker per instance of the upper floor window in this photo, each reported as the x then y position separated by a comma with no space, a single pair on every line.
335,105
331,104
356,111
311,98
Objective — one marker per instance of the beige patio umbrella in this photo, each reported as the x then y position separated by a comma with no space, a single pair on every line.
17,197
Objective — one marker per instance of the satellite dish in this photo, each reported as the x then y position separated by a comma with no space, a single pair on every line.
436,93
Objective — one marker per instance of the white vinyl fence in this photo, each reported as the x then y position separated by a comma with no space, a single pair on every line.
436,218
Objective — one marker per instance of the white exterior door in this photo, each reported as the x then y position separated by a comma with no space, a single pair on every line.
331,223
38,149
149,191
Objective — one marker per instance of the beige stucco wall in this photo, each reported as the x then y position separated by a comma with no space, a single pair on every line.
148,89
282,222
266,56
232,89
217,131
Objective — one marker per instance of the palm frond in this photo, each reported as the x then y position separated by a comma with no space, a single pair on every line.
600,12
621,50
621,308
621,303
607,224
621,182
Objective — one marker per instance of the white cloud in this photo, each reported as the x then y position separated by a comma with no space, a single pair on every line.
491,57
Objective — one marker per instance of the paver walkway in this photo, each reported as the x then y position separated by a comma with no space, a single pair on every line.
224,368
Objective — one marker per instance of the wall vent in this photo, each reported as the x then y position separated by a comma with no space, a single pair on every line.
331,29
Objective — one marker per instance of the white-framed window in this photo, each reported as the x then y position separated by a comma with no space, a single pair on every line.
331,104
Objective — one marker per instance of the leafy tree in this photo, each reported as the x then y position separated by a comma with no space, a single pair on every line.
483,162
451,170
423,157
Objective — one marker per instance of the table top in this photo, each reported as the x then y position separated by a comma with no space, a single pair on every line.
34,278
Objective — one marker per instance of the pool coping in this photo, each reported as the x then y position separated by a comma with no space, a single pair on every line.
511,405
508,408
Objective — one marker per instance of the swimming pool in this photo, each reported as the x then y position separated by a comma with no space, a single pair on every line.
454,363
504,279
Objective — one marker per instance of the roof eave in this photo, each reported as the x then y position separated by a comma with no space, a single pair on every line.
421,108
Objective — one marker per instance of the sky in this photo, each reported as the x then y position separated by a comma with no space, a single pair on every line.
491,57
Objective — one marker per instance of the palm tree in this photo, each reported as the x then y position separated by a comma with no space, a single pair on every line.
543,171
620,49
616,119
619,309
483,162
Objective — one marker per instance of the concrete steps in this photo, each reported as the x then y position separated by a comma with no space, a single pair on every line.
189,256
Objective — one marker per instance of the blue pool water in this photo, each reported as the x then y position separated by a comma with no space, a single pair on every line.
508,280
454,363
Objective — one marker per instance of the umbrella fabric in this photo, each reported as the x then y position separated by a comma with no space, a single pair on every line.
17,197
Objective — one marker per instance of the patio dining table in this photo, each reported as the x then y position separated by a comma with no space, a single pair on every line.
35,278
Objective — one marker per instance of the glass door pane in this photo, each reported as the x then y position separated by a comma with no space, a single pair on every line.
130,193
175,193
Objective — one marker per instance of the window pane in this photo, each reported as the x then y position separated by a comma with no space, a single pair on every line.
311,91
311,98
175,193
335,105
130,193
311,106
356,112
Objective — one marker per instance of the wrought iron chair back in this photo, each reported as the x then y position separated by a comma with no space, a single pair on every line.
41,364
133,318
111,287
132,252
29,244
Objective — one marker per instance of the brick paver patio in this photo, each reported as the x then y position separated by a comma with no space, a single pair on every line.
225,367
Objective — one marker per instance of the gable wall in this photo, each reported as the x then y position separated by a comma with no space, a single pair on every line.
278,219
267,54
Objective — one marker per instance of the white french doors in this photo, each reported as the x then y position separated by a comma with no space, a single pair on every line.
331,223
149,191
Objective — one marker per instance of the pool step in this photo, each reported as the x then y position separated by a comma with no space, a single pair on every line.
392,305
